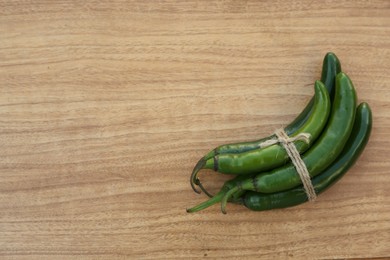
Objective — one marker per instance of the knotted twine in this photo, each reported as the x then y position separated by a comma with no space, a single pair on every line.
295,157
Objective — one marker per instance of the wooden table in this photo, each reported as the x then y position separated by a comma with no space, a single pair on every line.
106,106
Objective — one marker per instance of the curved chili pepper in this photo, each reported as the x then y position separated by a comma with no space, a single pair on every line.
320,156
352,150
330,68
275,155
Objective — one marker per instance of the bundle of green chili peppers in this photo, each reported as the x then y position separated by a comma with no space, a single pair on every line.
265,178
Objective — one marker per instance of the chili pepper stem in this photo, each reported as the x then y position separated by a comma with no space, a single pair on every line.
226,197
194,176
204,189
249,184
214,200
210,154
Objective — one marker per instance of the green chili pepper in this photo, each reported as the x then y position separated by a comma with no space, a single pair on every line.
330,68
275,155
260,201
351,152
319,116
321,155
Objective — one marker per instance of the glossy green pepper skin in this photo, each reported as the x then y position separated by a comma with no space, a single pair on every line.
330,68
317,121
320,156
261,201
351,152
267,158
325,150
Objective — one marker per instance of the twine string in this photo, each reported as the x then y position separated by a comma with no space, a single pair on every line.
295,157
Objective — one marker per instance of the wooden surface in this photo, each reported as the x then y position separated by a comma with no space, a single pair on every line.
105,107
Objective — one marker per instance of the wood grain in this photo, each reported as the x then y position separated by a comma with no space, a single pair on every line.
105,107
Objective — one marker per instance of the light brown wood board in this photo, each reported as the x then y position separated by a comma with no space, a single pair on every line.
106,106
